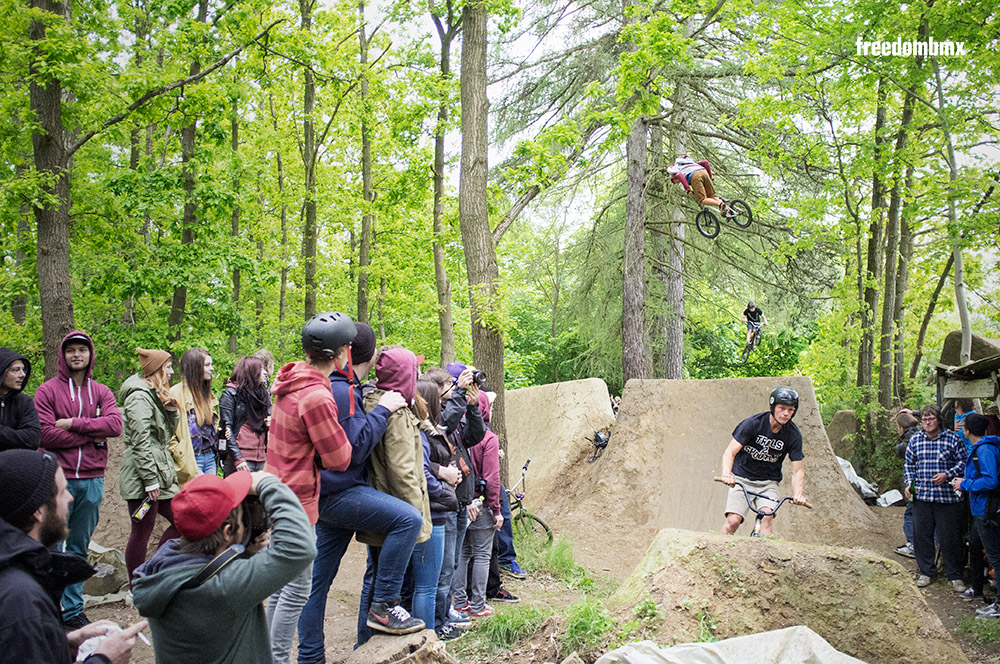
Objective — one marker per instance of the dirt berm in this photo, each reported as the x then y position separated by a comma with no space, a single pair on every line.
862,604
657,471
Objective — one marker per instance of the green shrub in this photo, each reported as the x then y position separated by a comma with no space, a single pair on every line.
587,626
510,626
983,631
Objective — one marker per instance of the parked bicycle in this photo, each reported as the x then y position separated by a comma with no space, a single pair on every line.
523,522
754,340
761,512
735,210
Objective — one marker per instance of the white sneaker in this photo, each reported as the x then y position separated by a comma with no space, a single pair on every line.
458,618
958,586
906,550
991,612
923,581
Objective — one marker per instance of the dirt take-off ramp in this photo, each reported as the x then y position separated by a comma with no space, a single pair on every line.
657,471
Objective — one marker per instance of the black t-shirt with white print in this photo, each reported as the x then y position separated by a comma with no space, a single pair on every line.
763,450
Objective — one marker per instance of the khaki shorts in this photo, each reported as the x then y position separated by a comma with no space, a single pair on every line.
701,185
736,503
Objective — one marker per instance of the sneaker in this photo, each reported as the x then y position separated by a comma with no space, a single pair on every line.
970,593
484,612
958,586
906,550
76,622
991,612
504,596
458,618
450,632
923,581
515,571
391,618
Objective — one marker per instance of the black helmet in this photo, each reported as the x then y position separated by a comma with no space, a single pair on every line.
751,304
324,333
784,395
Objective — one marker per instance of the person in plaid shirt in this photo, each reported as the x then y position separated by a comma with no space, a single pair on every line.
933,458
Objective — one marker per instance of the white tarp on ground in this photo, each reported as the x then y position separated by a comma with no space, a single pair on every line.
792,645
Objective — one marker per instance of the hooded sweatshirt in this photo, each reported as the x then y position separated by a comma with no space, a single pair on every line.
304,426
18,420
32,580
363,431
222,620
486,462
396,465
93,410
982,478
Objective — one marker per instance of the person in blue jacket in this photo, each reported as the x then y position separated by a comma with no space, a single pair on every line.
347,503
982,477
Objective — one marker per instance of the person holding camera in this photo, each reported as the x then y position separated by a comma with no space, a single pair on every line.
469,590
203,592
78,415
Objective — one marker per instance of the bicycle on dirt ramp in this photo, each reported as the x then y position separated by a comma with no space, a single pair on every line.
523,522
735,210
761,512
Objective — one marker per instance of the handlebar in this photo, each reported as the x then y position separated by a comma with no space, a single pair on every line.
758,495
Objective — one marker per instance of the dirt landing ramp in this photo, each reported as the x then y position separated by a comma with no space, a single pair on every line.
862,604
657,472
841,432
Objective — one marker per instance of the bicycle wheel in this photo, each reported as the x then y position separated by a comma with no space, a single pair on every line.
746,352
707,223
529,526
740,213
755,341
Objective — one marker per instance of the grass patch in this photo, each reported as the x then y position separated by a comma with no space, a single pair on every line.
982,631
511,626
587,626
556,560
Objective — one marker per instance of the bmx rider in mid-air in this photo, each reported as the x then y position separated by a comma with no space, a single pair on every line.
754,318
754,456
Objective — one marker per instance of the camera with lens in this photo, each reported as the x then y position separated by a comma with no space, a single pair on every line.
479,378
255,519
480,487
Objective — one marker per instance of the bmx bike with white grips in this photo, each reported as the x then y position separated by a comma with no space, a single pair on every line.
761,512
735,210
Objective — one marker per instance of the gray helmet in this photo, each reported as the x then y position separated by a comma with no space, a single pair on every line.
751,304
784,395
324,333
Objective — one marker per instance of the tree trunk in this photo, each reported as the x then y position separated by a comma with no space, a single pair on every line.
285,257
956,245
19,303
886,357
673,354
188,133
367,220
235,223
310,233
477,240
927,315
446,325
634,269
902,283
52,216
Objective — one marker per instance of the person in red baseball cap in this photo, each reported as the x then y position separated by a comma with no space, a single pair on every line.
203,592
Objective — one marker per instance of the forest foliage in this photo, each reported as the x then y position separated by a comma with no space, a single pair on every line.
186,207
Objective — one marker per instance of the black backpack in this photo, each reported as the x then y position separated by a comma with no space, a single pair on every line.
991,517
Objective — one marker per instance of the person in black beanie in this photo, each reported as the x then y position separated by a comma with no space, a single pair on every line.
34,507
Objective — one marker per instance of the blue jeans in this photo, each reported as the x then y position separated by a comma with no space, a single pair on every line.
84,512
359,508
426,565
206,463
908,522
505,536
283,609
990,536
443,602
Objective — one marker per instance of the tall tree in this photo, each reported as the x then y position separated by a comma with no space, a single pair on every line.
368,218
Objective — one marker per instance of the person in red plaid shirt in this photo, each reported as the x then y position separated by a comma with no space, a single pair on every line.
305,437
933,458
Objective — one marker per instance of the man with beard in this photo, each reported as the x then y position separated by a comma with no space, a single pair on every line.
34,507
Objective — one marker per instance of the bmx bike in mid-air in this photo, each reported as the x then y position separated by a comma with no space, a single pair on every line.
754,340
761,512
735,210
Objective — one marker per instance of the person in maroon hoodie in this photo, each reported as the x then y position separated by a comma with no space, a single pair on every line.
469,591
78,415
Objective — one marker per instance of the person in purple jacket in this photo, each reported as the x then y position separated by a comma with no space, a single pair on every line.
78,415
347,503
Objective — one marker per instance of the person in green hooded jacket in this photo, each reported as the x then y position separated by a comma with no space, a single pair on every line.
148,479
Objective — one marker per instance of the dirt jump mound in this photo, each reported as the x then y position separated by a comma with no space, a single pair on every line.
862,604
657,470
